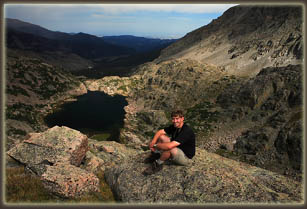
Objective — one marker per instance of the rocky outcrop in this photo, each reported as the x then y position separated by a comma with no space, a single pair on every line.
67,163
277,146
106,154
54,155
272,88
113,85
209,179
67,167
68,181
189,82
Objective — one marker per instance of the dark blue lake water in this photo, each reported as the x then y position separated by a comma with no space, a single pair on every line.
92,113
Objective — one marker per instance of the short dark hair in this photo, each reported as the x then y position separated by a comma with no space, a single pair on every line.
177,113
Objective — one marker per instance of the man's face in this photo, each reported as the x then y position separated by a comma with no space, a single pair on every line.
178,121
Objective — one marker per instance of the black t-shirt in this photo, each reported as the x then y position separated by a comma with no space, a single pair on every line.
185,136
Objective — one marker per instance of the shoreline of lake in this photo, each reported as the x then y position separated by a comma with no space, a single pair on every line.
95,114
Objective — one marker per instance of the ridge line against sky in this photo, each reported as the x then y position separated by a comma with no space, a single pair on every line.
146,20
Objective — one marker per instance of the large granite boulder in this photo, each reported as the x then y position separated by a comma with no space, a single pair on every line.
57,144
209,179
54,156
106,154
69,181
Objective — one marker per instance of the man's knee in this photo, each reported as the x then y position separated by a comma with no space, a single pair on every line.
171,152
174,151
164,138
179,157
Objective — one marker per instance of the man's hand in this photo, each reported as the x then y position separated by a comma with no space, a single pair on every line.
151,146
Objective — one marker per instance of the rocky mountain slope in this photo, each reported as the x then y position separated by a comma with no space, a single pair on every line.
47,51
245,39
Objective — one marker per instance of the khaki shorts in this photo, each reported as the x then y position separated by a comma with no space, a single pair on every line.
180,158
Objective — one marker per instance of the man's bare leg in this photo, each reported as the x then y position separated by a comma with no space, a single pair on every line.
165,155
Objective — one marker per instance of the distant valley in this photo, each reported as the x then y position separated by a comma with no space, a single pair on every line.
81,53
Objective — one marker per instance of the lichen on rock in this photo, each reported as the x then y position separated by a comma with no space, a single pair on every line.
209,179
55,155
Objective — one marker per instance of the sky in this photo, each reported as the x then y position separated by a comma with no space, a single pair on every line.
144,20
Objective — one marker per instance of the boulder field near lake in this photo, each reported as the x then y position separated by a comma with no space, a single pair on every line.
239,80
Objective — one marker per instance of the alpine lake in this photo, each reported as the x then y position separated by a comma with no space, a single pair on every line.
96,114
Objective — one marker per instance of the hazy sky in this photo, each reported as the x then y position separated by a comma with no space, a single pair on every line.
148,20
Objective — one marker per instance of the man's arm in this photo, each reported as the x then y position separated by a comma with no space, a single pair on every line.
155,138
167,145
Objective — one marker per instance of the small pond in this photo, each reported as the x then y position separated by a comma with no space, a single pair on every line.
96,114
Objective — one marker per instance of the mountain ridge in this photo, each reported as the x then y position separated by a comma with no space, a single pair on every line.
84,45
26,27
140,44
95,57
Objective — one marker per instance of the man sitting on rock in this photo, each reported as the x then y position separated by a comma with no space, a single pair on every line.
179,147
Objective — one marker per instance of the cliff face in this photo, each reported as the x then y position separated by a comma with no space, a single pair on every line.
272,103
245,39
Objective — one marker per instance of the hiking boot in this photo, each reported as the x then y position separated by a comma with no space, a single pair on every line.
152,158
155,167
